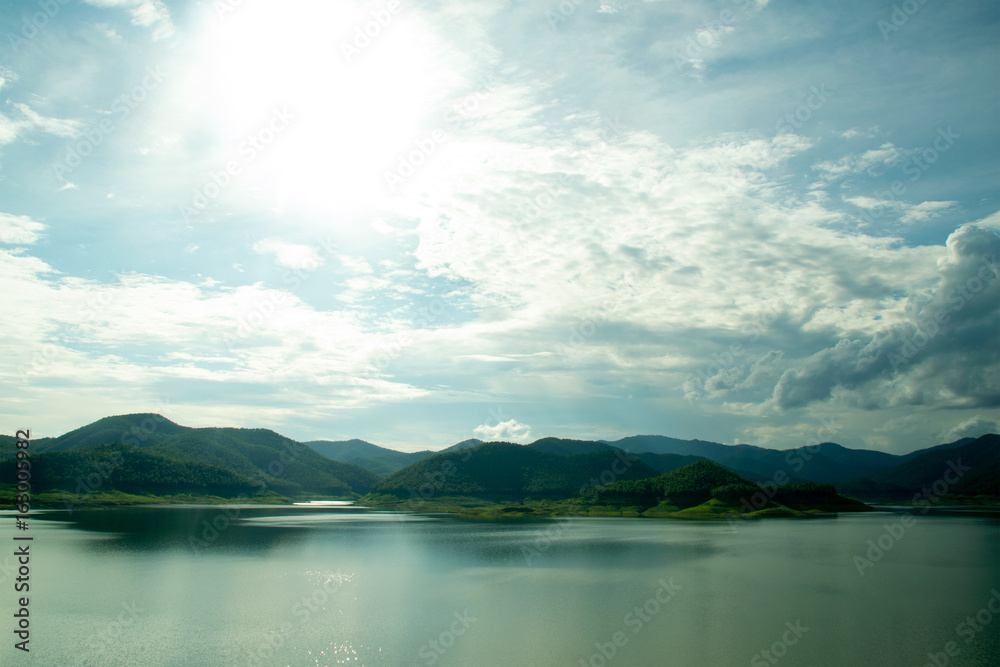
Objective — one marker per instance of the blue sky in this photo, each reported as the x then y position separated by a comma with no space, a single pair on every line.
419,222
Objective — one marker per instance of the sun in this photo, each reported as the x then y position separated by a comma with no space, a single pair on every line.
357,82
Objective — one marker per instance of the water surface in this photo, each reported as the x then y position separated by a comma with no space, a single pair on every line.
330,585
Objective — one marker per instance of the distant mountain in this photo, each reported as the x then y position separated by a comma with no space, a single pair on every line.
378,460
465,444
273,461
827,462
944,465
565,447
950,445
664,463
660,444
549,467
507,471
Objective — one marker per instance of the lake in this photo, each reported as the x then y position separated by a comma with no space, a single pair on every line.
340,585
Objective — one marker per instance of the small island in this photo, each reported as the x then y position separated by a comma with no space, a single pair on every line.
702,490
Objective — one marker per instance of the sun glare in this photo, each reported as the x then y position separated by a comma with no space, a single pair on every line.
358,86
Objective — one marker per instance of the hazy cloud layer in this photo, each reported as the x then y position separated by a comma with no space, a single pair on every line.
631,218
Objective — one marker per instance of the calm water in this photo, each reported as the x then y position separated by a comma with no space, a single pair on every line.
283,586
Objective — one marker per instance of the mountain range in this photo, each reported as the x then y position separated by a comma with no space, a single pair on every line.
149,453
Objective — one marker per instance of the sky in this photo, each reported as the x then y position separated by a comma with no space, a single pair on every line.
416,222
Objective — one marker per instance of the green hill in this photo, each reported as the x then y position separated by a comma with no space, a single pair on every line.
262,457
686,486
706,490
140,430
286,466
378,460
130,469
664,463
505,471
901,482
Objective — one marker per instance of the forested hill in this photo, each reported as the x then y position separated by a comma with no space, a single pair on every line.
499,470
151,454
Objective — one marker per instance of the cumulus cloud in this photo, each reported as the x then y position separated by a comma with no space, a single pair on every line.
509,431
19,229
944,353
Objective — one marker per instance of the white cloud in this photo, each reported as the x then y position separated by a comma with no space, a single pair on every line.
356,265
19,229
908,213
973,427
508,431
870,133
872,203
289,255
927,210
29,120
155,335
868,162
990,221
145,13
